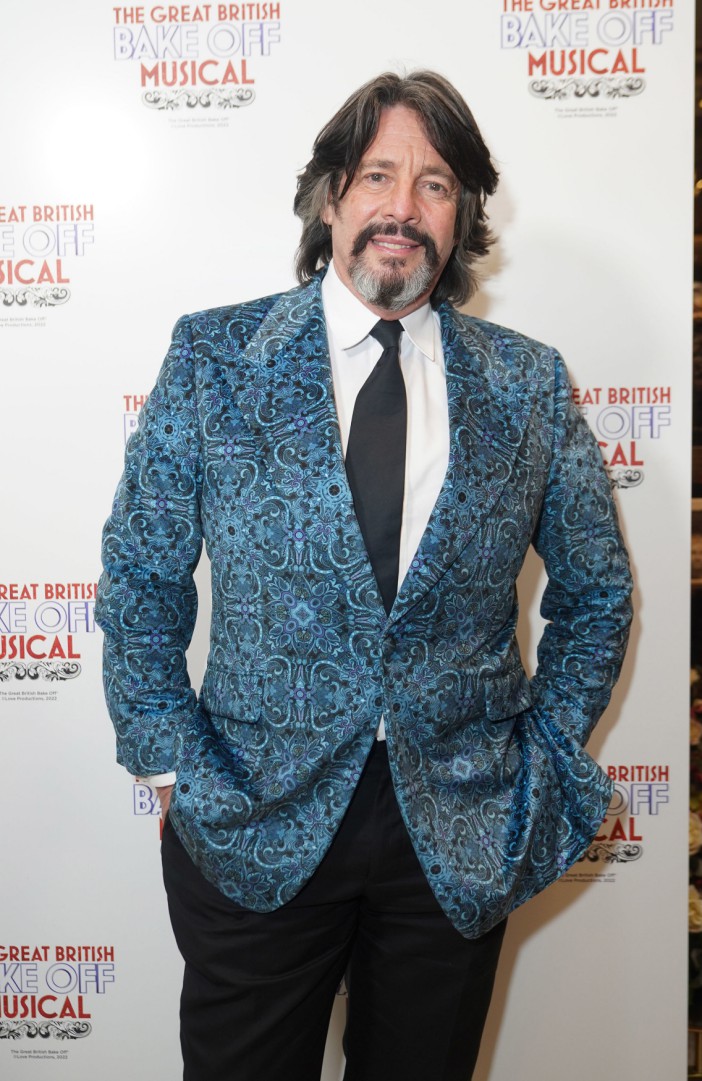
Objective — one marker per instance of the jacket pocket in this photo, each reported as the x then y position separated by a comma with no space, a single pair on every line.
507,695
232,694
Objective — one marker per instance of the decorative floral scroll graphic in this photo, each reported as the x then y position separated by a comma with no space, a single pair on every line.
60,1030
599,87
51,671
613,853
35,296
179,99
626,478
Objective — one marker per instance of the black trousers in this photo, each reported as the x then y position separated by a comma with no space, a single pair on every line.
258,988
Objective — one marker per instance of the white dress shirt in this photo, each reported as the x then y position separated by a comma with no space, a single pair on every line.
354,354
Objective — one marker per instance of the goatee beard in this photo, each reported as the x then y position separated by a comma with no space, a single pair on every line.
391,288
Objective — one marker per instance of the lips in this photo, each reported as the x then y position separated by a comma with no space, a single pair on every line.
391,239
395,247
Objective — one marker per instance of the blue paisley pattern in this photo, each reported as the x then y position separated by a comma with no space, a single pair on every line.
239,445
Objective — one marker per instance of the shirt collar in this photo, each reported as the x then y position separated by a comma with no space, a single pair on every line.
349,321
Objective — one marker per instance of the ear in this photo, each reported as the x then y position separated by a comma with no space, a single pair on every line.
327,215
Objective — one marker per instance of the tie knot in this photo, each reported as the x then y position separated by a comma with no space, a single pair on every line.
388,332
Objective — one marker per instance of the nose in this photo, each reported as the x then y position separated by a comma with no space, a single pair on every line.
402,203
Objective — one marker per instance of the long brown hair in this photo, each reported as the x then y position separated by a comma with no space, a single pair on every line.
341,144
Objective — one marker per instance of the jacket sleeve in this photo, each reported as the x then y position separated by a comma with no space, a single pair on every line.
587,599
147,601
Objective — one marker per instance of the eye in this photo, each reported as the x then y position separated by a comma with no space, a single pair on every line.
437,188
374,178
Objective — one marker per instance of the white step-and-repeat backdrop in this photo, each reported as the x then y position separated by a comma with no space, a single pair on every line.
149,160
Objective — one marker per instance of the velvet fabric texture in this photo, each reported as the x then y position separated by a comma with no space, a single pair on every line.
239,445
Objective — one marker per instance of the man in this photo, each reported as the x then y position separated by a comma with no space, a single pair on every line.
368,782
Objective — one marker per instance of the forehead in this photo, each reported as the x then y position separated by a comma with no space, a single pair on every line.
401,138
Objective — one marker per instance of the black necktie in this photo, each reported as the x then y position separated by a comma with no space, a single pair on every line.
375,459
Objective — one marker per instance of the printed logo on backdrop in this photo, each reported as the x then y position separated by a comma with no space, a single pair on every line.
202,61
586,56
641,794
47,995
40,245
132,407
42,626
629,423
145,802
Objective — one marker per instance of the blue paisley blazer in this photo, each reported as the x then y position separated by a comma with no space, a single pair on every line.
239,445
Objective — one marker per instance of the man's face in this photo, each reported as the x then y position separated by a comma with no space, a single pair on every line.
394,230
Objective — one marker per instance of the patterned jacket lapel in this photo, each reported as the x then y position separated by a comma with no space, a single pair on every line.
285,393
490,403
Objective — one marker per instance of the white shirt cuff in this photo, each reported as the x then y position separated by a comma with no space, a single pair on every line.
159,780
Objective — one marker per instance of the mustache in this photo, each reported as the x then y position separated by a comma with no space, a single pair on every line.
406,232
